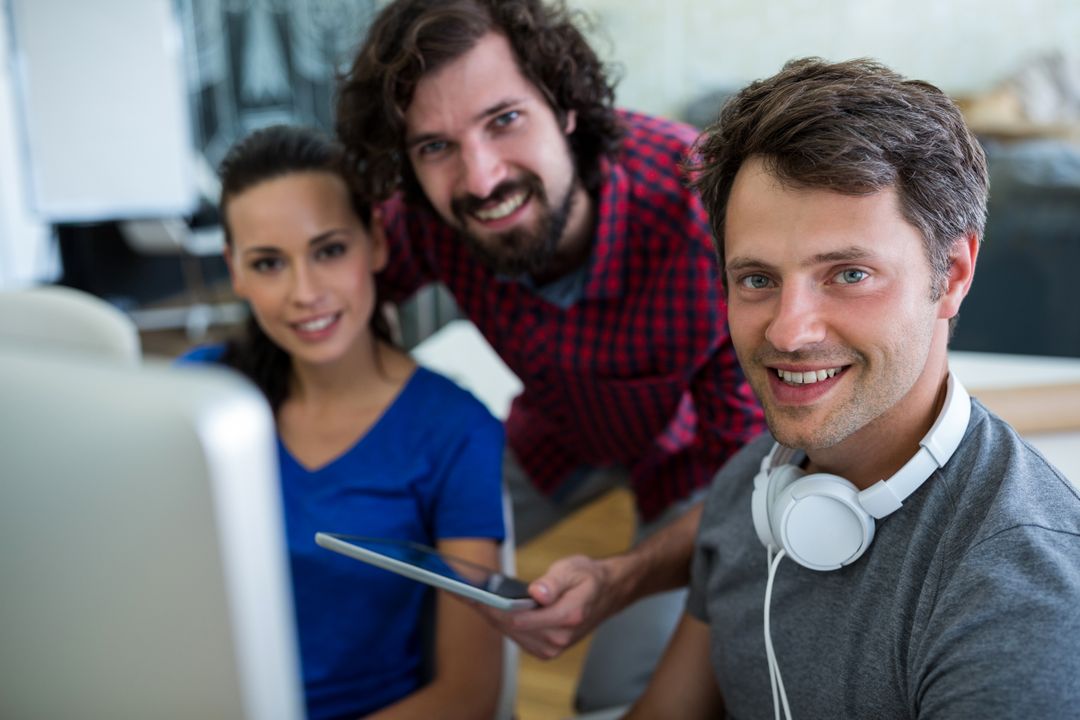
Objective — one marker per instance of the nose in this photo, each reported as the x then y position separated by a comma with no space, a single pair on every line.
482,168
797,321
304,289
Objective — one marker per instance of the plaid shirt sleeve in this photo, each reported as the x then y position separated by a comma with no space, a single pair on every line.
717,412
718,415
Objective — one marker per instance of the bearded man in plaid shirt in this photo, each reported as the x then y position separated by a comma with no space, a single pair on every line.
566,233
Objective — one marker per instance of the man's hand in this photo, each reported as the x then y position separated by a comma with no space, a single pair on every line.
577,593
574,597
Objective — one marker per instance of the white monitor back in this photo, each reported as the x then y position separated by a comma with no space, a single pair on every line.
142,551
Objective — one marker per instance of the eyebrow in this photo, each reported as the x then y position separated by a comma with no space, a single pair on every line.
848,254
270,249
496,109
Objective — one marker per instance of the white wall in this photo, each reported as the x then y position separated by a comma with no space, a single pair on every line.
26,254
674,50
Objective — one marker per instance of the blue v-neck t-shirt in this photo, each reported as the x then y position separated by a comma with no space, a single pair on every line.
429,469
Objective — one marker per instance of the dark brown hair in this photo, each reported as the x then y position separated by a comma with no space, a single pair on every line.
856,128
410,38
263,155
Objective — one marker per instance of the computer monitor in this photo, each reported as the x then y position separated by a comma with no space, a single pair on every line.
143,569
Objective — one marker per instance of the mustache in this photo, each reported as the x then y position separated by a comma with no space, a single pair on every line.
468,204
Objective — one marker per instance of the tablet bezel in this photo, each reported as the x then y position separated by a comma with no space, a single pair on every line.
340,543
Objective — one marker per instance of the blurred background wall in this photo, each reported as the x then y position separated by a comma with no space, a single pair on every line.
675,50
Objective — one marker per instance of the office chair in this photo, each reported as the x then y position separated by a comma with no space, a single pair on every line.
61,318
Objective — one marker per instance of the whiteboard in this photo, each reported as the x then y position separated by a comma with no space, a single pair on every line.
103,107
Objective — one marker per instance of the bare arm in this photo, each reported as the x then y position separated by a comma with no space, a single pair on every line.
468,654
683,685
577,593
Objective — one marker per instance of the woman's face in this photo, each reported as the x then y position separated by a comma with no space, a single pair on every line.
304,261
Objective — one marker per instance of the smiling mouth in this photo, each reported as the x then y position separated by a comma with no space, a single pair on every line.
807,377
317,324
503,209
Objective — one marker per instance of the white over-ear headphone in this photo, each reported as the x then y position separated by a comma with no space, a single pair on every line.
823,521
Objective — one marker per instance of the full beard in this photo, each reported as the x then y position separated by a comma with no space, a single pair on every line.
519,251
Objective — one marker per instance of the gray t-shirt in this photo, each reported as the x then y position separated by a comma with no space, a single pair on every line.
966,605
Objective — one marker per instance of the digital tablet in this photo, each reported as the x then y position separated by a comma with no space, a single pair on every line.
427,565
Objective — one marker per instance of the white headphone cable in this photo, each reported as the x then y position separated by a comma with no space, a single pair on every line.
775,681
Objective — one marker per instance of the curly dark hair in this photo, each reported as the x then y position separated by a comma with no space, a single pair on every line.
263,155
852,127
412,37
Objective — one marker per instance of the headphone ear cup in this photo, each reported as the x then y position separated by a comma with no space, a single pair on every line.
820,523
767,486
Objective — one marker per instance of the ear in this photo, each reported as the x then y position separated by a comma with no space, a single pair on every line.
571,122
380,250
961,272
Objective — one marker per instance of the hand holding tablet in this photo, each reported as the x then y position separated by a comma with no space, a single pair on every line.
427,565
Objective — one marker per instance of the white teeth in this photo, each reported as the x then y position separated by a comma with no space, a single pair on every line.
503,209
806,378
317,324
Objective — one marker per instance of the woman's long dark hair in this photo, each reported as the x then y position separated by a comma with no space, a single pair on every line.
264,155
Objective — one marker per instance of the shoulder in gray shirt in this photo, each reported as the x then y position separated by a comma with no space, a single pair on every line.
966,605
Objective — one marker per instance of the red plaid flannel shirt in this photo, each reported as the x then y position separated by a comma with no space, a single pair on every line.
640,372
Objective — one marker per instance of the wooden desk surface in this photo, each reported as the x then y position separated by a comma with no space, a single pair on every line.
1035,409
1034,394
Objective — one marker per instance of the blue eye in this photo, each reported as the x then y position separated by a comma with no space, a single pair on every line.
506,118
754,282
432,148
851,276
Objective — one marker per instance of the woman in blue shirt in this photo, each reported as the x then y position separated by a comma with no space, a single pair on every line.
369,444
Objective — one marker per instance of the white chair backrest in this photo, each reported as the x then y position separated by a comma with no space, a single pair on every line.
460,352
508,565
63,319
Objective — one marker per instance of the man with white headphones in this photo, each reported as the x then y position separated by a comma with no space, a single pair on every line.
890,548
